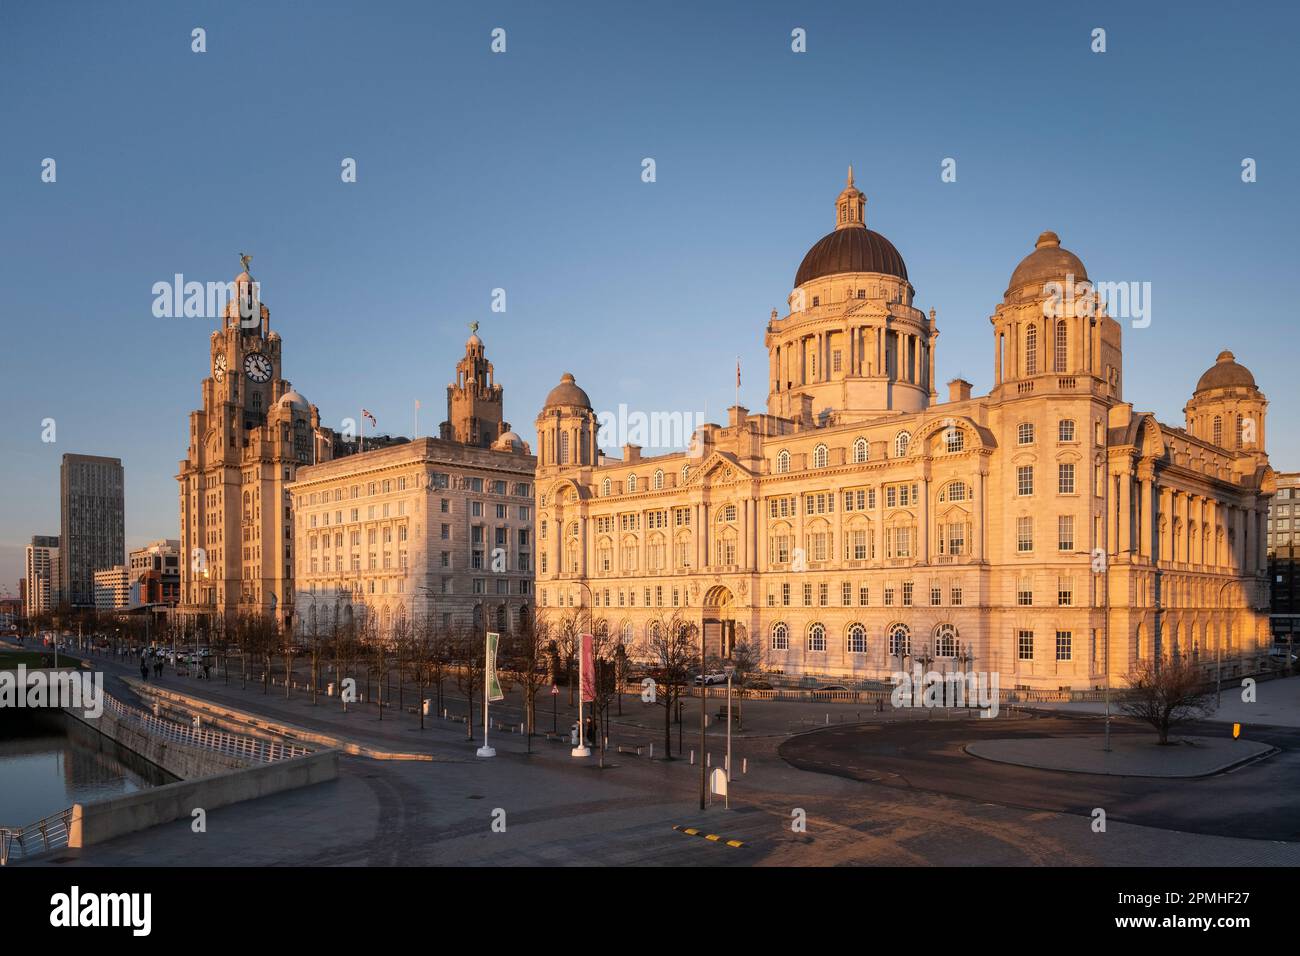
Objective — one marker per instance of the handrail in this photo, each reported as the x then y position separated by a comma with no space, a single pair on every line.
53,831
264,751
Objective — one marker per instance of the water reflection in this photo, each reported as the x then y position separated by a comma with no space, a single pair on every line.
49,761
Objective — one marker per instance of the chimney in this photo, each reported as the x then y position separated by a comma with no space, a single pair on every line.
959,390
631,453
737,415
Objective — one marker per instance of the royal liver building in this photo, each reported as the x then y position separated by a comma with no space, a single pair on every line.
1048,530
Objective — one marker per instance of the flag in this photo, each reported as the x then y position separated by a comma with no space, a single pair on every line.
493,685
417,404
366,414
738,372
588,671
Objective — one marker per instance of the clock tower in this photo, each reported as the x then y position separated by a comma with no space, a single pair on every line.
245,445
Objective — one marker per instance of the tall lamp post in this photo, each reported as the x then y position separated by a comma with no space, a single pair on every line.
582,750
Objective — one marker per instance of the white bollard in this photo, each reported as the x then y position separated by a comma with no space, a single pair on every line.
708,760
692,758
744,765
652,751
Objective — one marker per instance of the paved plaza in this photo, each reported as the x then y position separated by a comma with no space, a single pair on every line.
863,803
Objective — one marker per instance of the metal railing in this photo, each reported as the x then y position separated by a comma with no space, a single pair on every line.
235,745
50,833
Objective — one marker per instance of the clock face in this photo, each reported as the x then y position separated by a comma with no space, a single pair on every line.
257,367
219,366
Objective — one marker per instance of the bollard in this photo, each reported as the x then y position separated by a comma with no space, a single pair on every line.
744,766
652,751
692,758
708,760
828,720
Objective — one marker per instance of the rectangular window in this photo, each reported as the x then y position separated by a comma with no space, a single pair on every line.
955,596
1064,645
1065,533
1024,480
864,595
807,595
936,595
1065,592
1065,478
1025,595
907,594
1025,645
1065,430
1024,534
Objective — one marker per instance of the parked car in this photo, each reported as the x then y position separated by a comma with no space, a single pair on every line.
716,677
759,685
832,687
1282,654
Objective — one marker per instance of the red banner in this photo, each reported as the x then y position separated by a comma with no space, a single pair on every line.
588,670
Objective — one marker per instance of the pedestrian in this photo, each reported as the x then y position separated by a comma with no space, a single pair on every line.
144,670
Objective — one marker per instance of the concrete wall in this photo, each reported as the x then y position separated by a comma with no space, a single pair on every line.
180,760
105,819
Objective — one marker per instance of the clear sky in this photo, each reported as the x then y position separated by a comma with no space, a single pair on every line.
522,171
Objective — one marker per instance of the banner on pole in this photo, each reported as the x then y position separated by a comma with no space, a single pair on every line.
588,670
493,685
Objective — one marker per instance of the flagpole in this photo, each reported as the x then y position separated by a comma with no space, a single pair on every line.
489,665
363,429
582,750
417,420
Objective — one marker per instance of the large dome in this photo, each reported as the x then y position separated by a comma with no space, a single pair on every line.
568,393
854,249
1225,373
1049,262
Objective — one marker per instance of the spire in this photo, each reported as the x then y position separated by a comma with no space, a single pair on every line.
850,206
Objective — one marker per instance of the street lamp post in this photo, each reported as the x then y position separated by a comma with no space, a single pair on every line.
582,750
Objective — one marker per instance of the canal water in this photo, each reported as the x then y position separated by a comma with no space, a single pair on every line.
49,761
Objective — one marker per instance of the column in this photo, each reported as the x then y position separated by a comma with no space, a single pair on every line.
1147,505
1126,512
924,525
980,513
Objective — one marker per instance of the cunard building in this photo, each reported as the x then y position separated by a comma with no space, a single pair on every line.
246,444
1047,530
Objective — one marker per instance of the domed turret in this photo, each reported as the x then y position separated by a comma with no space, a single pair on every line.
1225,373
852,247
567,393
1049,262
566,427
1227,408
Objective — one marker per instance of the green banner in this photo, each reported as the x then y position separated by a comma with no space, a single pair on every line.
493,685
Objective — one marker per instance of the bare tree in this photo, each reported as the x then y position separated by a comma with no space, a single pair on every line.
1167,693
671,649
747,659
469,665
565,633
526,662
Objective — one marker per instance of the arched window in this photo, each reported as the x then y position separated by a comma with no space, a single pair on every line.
817,637
783,463
859,451
686,473
1031,350
901,442
1060,351
1218,430
654,632
780,637
954,491
631,483
945,641
819,456
900,640
605,487
857,639
657,482
629,634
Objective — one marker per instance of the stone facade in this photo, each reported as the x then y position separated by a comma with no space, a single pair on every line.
1047,531
439,529
246,444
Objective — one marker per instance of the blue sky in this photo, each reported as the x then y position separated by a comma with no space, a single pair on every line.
522,171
